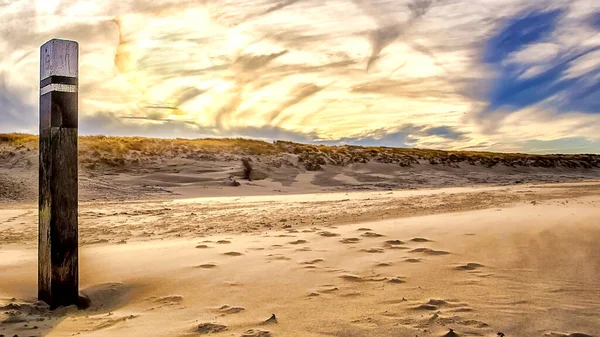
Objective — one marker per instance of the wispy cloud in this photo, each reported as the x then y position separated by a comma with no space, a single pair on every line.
430,73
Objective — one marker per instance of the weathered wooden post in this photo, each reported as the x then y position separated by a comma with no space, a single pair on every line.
58,270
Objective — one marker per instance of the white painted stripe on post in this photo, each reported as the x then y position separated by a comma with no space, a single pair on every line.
58,87
59,58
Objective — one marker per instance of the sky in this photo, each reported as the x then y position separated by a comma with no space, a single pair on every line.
491,75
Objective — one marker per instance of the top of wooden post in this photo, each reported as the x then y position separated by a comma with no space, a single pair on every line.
59,58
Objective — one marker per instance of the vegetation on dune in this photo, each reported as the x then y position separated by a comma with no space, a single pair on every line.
17,139
122,151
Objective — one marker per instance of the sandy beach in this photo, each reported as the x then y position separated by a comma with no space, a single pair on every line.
288,168
523,260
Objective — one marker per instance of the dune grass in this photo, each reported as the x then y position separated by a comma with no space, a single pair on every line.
118,151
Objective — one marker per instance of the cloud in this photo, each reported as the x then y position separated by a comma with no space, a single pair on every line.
409,135
595,20
105,123
434,88
298,94
447,132
16,115
490,75
389,28
525,80
562,145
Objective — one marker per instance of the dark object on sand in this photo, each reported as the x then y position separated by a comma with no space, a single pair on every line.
271,320
247,163
500,334
451,333
232,182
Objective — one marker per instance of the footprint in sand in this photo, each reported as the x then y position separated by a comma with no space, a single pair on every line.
420,240
304,249
383,264
393,242
312,261
206,328
412,260
207,266
428,251
202,246
350,240
469,266
363,229
278,257
256,333
356,278
328,234
329,290
575,334
298,242
230,310
373,250
350,277
233,254
429,307
222,242
371,235
170,300
435,304
110,322
398,247
396,280
474,323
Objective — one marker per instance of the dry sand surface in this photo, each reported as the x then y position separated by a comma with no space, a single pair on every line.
522,260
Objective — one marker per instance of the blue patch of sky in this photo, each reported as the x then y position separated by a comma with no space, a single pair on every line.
511,91
447,132
595,20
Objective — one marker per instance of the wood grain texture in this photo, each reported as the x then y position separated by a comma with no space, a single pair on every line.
45,201
58,272
59,58
63,216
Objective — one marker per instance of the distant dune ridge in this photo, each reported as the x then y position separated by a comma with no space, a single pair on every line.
135,167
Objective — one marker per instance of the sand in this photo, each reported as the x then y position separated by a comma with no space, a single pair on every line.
523,260
169,174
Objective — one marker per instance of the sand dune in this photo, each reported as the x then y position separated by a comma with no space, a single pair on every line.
125,169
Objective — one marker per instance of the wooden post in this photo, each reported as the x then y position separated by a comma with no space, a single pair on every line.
58,270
